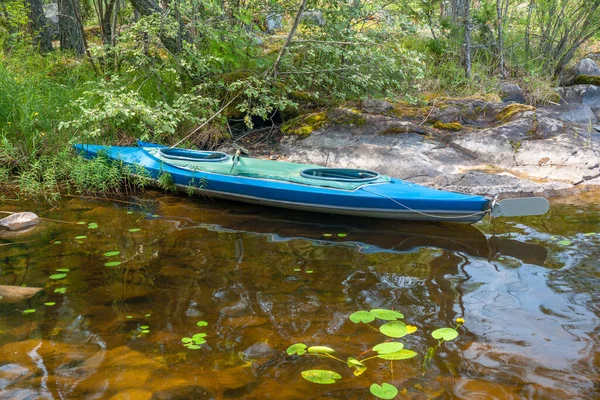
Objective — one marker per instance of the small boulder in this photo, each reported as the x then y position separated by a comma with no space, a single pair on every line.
376,106
19,221
15,294
585,67
511,92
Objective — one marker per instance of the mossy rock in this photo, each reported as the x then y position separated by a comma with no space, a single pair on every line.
304,125
450,126
348,116
405,110
512,110
587,80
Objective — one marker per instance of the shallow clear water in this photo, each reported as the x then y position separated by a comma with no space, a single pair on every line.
264,279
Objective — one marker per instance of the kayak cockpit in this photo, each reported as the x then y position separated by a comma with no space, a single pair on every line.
193,155
340,174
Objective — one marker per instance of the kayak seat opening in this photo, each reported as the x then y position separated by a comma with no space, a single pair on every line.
193,155
340,174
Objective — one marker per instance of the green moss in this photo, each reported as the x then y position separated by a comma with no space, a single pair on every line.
407,111
304,125
350,117
587,80
394,130
231,77
512,110
450,126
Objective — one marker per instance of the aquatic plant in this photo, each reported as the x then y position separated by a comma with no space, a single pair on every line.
194,342
390,350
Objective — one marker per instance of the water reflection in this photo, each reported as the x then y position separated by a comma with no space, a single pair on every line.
264,279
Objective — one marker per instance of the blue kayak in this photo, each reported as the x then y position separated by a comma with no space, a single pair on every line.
304,187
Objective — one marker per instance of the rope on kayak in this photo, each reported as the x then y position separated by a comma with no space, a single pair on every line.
426,214
208,120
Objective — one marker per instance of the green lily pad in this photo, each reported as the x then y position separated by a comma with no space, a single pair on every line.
80,237
144,327
565,242
298,348
134,230
342,235
590,234
202,323
321,376
128,316
447,334
327,235
385,391
147,315
361,316
395,329
81,223
92,225
192,346
199,335
58,242
388,347
386,315
112,263
320,350
57,276
359,367
145,331
111,253
50,303
29,311
186,340
62,269
60,290
398,355
297,270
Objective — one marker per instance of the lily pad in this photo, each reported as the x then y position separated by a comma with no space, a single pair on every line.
298,348
186,340
29,311
50,303
385,391
111,253
361,316
192,346
320,350
81,223
565,242
80,237
145,331
398,355
446,334
112,263
395,329
359,367
590,234
60,290
144,327
386,315
342,235
327,235
202,323
92,225
321,376
58,242
57,276
388,347
134,230
62,269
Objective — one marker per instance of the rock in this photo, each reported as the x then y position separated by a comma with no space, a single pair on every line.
579,114
376,106
15,294
511,92
19,221
274,20
51,14
313,17
133,394
586,66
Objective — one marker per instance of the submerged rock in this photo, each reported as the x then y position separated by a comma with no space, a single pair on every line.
15,294
19,221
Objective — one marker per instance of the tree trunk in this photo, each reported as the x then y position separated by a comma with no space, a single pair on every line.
42,37
149,7
71,37
500,22
467,24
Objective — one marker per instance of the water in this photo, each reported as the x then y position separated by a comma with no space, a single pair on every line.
265,279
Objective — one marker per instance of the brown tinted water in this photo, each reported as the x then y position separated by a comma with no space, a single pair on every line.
264,279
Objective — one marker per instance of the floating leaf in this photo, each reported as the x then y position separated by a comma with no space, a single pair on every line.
49,303
60,290
112,263
447,334
192,346
144,327
92,225
81,223
388,347
395,329
297,270
155,215
298,348
186,340
309,271
361,316
147,315
62,269
398,355
385,391
129,317
327,235
58,242
342,235
565,242
111,253
29,311
321,376
202,323
57,276
134,230
500,258
359,367
199,335
386,315
410,329
80,237
590,234
320,350
145,331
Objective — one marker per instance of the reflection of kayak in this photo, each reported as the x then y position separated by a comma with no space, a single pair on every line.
360,193
365,235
